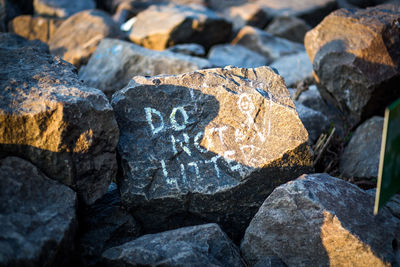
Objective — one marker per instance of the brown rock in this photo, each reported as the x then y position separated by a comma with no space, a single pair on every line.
33,28
77,37
61,8
206,146
159,27
247,14
291,28
356,59
319,220
49,117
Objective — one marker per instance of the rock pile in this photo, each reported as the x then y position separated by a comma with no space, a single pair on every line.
171,132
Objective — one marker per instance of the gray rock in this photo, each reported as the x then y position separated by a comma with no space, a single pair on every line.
235,55
202,245
221,5
37,217
48,117
159,27
115,62
393,204
360,159
78,36
319,220
357,67
188,49
61,8
314,121
266,44
206,146
312,11
291,28
106,224
294,68
246,14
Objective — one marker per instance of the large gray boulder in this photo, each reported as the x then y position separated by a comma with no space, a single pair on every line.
159,27
115,62
37,217
266,44
206,146
235,55
202,245
319,220
77,37
358,66
360,159
50,118
61,8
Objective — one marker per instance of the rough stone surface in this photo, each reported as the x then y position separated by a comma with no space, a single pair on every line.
393,204
202,245
266,44
106,224
48,117
315,122
159,27
247,14
33,28
294,68
188,49
356,59
115,62
235,55
291,28
206,146
312,11
319,220
37,216
360,159
61,8
77,37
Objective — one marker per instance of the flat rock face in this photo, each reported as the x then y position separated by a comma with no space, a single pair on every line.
360,159
159,27
106,224
77,37
188,49
202,245
294,68
33,28
319,220
291,28
235,55
37,216
315,122
47,116
266,44
312,11
115,62
61,8
206,146
357,67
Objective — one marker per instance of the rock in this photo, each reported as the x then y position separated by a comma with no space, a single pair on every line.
246,14
50,118
106,224
206,146
201,245
221,5
10,9
294,68
360,159
314,121
319,220
366,3
77,37
270,261
61,8
393,204
312,11
291,28
235,55
357,68
37,217
115,62
188,49
33,28
159,27
265,44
